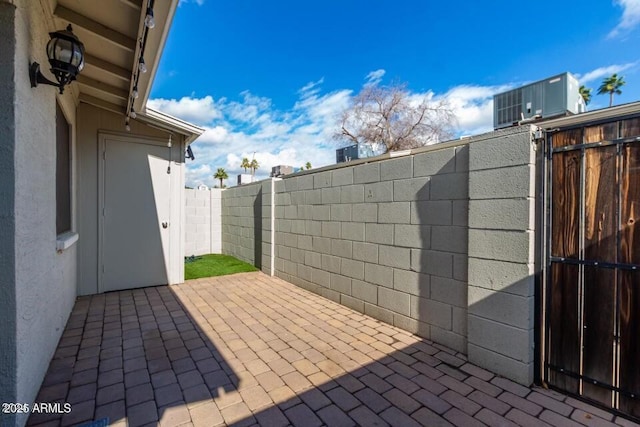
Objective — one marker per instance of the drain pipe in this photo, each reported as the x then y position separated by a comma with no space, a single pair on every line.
273,225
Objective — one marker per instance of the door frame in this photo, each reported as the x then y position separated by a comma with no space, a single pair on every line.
103,136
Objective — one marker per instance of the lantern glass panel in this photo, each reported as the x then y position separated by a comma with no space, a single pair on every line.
61,50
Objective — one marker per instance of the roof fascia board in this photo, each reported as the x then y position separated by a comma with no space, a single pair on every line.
591,116
157,118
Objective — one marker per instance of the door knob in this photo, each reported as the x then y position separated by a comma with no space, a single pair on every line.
165,224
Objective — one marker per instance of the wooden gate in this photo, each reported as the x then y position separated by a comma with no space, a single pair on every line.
592,280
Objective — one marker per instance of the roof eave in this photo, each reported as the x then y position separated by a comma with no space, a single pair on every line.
163,13
157,118
591,116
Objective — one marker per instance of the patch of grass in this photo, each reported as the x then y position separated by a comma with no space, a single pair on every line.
215,265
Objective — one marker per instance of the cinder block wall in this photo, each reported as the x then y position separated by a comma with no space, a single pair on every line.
203,222
439,242
242,222
387,238
267,210
502,207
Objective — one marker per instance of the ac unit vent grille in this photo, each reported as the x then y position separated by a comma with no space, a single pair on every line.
509,106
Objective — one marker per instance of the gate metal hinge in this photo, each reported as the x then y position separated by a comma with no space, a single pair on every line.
537,137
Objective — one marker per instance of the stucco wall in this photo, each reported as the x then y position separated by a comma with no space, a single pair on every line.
44,280
203,221
8,362
92,121
439,242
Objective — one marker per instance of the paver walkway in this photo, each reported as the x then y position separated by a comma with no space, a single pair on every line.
249,349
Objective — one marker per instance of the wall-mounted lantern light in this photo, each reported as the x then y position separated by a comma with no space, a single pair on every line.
66,56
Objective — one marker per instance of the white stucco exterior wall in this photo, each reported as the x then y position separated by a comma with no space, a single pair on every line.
38,283
45,280
7,206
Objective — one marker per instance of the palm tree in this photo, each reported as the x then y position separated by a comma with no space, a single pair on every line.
611,85
221,174
585,93
254,165
308,165
245,164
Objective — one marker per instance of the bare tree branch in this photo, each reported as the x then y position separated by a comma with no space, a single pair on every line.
392,116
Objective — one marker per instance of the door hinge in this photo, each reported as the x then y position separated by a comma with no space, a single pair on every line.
104,155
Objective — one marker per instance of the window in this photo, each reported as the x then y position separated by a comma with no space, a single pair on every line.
63,173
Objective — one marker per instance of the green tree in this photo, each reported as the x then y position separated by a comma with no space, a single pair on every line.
585,93
611,85
254,165
221,174
308,165
245,164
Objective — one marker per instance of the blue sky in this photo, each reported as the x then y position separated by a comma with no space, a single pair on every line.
271,77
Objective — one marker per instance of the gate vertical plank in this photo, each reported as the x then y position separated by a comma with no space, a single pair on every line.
600,231
630,281
600,226
567,137
564,326
564,330
630,341
599,324
630,127
566,204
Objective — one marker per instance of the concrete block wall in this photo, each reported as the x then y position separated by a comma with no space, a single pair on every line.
439,242
203,222
502,203
267,210
386,238
242,222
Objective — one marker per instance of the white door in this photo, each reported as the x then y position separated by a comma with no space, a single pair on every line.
135,213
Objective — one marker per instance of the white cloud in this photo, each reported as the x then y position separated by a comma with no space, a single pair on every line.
197,110
473,107
604,72
311,88
375,77
629,20
213,135
252,126
237,129
198,2
194,174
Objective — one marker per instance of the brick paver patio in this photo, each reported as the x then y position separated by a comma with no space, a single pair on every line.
248,349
